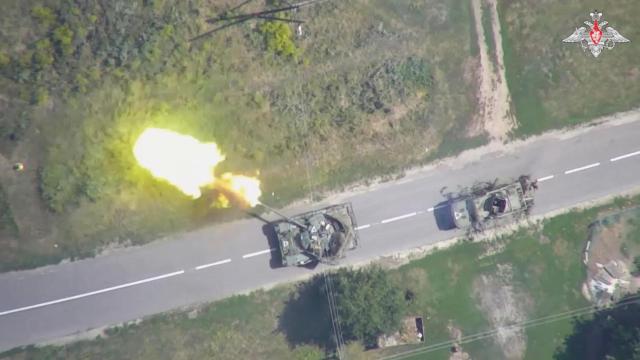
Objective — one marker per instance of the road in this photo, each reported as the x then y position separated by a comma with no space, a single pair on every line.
56,301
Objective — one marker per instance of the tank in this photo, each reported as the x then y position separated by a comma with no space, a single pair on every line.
491,205
319,236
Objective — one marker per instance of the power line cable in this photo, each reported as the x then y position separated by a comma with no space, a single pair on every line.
338,317
523,325
340,339
333,312
265,14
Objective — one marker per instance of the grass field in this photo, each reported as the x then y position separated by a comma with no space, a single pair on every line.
554,84
8,225
368,89
487,28
545,277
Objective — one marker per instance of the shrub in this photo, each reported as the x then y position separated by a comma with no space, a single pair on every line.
43,55
279,38
43,14
416,71
58,186
5,60
40,96
63,36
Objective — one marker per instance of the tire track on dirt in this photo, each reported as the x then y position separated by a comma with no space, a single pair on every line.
494,101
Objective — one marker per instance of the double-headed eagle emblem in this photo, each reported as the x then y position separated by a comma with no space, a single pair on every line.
594,38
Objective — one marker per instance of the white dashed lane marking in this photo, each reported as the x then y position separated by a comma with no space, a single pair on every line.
581,168
398,218
225,261
545,178
87,294
625,156
246,256
257,253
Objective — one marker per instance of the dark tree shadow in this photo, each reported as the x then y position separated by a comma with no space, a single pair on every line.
305,318
442,213
611,332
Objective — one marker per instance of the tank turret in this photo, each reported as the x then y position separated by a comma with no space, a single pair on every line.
491,205
320,236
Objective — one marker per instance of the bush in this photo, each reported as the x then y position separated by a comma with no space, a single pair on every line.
43,14
58,186
43,55
4,59
307,353
7,223
40,96
63,36
416,72
279,38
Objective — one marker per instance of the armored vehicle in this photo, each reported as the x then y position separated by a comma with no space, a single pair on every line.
319,236
492,205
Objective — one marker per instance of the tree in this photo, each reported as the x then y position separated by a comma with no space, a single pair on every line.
636,262
368,303
612,334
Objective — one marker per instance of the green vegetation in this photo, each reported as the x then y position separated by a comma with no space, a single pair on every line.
43,15
360,93
63,37
487,28
612,333
8,225
540,266
474,49
554,84
368,304
279,38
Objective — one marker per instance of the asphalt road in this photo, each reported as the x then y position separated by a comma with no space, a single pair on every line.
53,302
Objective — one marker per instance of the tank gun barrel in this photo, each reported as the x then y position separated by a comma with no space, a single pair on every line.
282,215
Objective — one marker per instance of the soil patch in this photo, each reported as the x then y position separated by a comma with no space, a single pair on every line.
503,307
494,102
609,256
606,243
457,353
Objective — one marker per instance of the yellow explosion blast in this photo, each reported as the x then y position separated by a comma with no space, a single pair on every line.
189,165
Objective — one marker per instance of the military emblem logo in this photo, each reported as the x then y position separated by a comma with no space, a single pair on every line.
597,37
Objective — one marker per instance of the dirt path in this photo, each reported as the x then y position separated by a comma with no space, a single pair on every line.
494,115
